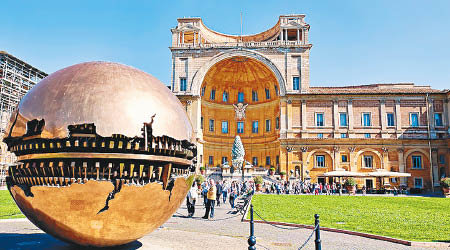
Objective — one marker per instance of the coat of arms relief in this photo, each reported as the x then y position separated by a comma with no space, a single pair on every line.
240,110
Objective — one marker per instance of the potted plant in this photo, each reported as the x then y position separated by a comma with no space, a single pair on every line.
258,182
199,179
350,185
202,170
445,183
272,171
282,174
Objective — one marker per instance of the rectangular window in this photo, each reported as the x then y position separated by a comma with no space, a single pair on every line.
225,127
320,136
296,83
366,122
211,125
414,119
211,160
367,135
438,119
319,120
277,160
201,122
344,135
225,96
268,160
368,161
255,127
241,97
203,91
212,95
442,159
343,119
224,159
390,119
255,161
183,84
267,94
276,89
320,161
344,158
268,126
418,182
254,96
416,161
277,123
240,127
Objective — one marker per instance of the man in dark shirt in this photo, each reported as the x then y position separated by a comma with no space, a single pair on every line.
219,189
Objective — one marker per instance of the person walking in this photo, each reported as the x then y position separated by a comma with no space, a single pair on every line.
211,200
219,189
191,198
225,188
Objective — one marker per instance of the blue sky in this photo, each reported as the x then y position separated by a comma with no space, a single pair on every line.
354,42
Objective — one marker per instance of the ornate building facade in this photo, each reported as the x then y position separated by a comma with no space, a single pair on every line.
257,87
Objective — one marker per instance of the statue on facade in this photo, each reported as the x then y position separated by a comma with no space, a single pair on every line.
240,110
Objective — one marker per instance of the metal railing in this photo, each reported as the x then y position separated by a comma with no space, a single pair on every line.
252,239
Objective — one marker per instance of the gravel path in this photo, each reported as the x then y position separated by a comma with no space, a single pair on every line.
225,231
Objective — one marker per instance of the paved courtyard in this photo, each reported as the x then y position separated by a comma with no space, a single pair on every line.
225,231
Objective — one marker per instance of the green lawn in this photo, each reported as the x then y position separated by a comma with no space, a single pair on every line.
408,218
8,208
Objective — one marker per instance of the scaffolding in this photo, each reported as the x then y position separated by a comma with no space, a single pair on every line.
16,78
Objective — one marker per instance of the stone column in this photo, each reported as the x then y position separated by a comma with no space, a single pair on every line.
182,37
401,166
351,157
350,118
385,160
288,157
304,163
304,122
298,35
281,35
335,119
336,157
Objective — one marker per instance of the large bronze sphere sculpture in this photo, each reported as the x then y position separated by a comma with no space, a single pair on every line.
105,154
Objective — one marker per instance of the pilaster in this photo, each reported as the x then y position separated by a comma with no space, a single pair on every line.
335,119
401,166
304,122
398,117
350,118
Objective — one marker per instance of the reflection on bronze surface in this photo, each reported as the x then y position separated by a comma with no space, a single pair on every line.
105,154
117,98
72,213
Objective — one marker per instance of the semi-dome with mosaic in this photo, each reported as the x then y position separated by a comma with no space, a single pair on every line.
105,154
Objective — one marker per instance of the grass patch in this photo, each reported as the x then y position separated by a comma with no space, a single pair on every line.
408,218
8,208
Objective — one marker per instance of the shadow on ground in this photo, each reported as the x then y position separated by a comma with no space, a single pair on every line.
47,242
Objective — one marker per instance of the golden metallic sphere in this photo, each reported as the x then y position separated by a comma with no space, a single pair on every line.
105,154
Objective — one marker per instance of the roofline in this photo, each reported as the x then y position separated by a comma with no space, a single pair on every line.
21,61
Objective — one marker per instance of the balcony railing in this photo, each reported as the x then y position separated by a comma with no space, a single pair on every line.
243,44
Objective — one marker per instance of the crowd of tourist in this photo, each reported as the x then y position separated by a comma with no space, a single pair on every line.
300,187
213,194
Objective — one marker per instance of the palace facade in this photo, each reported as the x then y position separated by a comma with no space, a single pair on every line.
257,87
